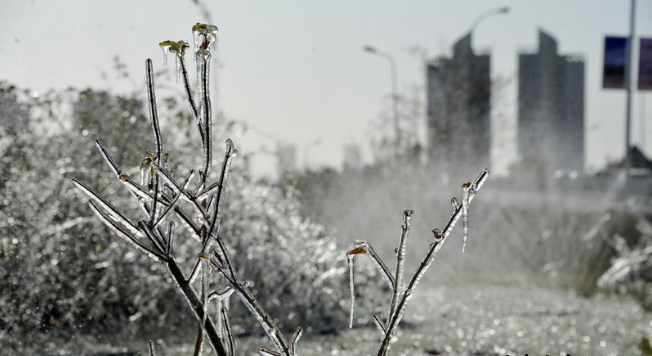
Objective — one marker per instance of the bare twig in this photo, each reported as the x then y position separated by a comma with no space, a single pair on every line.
400,257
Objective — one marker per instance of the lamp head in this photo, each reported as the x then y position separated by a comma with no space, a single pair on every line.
503,10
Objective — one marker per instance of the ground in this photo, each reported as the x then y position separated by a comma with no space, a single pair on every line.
470,319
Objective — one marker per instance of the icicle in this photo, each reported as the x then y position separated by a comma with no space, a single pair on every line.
165,54
465,213
144,170
455,204
351,287
177,60
195,35
220,328
176,47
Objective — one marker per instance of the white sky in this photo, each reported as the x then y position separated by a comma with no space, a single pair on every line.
295,69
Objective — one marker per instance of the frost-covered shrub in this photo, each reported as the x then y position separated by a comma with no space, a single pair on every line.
631,268
58,270
293,263
61,270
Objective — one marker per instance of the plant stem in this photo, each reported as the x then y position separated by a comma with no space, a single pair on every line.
197,307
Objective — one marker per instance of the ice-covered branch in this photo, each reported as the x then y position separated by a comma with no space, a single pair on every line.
400,257
400,295
440,238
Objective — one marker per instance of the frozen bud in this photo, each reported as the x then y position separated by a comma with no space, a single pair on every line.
203,35
466,185
124,177
357,251
178,47
437,235
145,163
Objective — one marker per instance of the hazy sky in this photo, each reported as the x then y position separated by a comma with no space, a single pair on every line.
295,69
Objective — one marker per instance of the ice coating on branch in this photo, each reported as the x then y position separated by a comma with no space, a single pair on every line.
400,255
466,187
268,325
109,208
152,352
205,275
349,258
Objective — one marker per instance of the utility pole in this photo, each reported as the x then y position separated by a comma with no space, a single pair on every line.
628,88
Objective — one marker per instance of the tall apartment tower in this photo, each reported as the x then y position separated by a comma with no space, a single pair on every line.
550,109
459,105
287,159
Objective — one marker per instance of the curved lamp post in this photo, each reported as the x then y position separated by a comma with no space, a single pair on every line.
394,83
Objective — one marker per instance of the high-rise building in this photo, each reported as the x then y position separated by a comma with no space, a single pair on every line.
352,157
550,109
459,104
287,159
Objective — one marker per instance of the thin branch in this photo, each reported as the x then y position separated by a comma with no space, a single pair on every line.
191,100
153,114
151,98
175,201
206,102
125,234
229,153
227,329
139,192
113,212
152,237
379,324
170,246
114,166
180,189
197,307
295,340
195,271
400,258
267,352
365,247
199,342
264,319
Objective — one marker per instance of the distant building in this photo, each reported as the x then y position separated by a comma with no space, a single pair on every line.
287,159
352,157
459,104
550,110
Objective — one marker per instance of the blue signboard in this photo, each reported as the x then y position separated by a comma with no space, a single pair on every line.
615,57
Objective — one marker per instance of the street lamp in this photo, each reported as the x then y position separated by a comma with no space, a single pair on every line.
394,82
498,11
